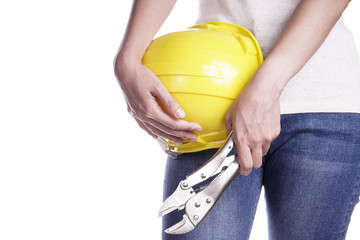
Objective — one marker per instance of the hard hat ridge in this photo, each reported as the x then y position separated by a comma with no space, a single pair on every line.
204,68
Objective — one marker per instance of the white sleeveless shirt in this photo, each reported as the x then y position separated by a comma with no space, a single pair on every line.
330,80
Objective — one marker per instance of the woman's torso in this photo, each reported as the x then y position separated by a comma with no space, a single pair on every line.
330,80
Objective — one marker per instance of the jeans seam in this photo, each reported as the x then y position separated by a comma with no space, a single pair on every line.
354,199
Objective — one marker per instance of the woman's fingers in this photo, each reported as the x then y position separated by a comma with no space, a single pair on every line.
168,101
155,132
143,91
155,116
257,154
249,156
243,153
245,159
265,149
159,118
162,121
162,134
173,120
169,131
164,131
146,129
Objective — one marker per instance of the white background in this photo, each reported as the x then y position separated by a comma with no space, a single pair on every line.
73,162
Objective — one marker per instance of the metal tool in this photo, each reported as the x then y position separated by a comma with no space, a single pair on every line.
198,202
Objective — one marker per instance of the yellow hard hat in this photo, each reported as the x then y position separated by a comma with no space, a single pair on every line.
204,68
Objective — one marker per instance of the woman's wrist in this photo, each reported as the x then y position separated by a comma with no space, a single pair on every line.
128,55
126,59
125,66
271,78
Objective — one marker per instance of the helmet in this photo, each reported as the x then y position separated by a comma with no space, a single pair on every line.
204,68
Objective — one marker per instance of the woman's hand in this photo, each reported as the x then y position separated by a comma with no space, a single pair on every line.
143,91
255,115
254,118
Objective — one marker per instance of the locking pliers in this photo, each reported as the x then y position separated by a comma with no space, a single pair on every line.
198,201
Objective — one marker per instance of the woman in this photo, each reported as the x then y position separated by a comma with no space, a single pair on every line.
296,125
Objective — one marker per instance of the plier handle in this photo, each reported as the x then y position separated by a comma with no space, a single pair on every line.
199,201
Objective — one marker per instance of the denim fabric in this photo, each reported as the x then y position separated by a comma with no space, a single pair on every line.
311,177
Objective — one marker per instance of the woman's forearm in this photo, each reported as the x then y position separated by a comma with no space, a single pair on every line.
307,29
145,20
148,101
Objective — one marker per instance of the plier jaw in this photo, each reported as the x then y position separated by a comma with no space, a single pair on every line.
198,202
177,200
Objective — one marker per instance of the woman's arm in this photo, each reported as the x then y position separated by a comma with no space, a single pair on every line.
255,115
145,20
307,29
142,89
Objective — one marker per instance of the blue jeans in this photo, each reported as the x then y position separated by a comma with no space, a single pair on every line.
311,177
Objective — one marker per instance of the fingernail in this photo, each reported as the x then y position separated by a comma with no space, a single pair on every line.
192,138
180,113
198,128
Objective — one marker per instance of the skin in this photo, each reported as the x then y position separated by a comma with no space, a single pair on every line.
255,120
142,89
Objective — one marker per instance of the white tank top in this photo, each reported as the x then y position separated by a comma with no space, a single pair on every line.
330,80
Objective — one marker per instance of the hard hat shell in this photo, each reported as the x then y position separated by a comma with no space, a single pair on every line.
204,68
